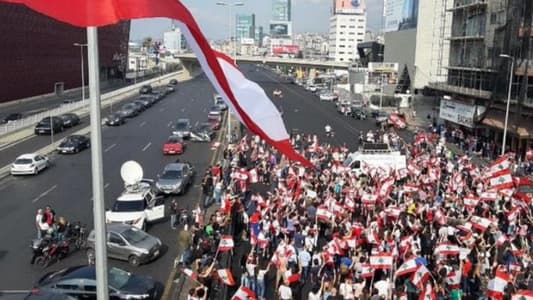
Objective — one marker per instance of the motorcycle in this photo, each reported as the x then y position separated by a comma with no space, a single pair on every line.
45,251
77,234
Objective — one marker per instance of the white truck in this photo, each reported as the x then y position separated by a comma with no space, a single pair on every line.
374,156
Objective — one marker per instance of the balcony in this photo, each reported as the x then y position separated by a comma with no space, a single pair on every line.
465,4
448,88
466,37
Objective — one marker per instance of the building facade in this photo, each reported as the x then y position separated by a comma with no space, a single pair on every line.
174,41
281,22
486,39
245,26
346,30
38,55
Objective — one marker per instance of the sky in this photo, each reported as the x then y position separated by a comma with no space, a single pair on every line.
307,15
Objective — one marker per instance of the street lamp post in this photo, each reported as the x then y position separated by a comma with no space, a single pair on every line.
508,100
234,46
82,71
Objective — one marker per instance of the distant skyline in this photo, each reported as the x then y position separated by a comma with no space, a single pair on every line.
307,15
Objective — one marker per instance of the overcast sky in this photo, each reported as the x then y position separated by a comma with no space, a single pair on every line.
307,15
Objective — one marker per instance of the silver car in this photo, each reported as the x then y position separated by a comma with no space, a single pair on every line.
126,242
175,179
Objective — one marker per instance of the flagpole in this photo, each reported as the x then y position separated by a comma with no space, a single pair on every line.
97,165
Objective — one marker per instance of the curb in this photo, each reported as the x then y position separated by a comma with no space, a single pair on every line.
5,170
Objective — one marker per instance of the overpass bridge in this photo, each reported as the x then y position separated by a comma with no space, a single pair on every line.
190,62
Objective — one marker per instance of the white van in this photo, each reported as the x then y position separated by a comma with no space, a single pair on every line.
377,155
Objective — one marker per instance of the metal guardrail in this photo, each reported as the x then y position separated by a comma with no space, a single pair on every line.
15,126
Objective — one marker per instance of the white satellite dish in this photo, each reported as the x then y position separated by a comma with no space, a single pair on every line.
131,172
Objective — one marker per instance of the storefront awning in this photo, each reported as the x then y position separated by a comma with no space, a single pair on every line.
496,119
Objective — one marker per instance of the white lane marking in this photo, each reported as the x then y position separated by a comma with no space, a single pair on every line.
183,109
142,124
106,185
147,146
43,194
9,145
110,147
204,109
161,109
169,124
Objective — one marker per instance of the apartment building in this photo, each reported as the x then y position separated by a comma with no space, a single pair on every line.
345,32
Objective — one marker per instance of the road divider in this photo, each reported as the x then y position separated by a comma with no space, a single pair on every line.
111,97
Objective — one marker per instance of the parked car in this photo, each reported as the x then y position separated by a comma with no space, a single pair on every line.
12,118
214,123
182,128
74,144
145,103
202,133
145,89
175,179
138,106
328,96
31,163
49,125
70,119
381,116
173,82
174,145
115,119
137,206
358,113
152,99
129,110
219,102
170,88
126,242
80,282
159,95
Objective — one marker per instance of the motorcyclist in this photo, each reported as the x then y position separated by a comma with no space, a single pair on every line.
328,129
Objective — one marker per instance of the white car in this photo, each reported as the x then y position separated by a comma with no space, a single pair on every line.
328,97
31,163
137,206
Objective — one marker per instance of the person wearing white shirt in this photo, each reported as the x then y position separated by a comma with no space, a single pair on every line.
284,291
346,289
305,259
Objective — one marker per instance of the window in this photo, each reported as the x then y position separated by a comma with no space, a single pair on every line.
115,239
359,41
360,33
343,26
351,26
360,27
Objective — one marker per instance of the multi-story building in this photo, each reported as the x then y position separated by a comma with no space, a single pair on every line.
38,55
245,27
347,27
413,39
281,22
486,39
174,41
258,36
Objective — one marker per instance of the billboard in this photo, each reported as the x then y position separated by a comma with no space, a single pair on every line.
286,49
280,28
349,6
400,14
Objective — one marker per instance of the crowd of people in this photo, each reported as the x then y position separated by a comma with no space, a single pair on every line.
442,228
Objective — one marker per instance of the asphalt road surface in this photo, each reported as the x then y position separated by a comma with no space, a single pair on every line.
66,185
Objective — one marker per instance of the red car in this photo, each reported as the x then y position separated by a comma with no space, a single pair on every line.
174,145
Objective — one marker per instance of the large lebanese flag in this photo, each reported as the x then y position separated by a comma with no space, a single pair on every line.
381,261
523,295
499,164
407,267
501,180
497,285
247,100
226,276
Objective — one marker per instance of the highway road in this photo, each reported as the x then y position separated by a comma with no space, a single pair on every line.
66,186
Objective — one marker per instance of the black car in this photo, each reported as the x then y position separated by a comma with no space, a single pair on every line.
11,118
145,103
158,94
173,82
145,89
80,282
129,110
70,119
149,97
74,144
138,106
115,119
49,125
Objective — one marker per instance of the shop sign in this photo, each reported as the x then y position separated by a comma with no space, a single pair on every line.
460,113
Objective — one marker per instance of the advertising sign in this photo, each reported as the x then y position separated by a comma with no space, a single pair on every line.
457,112
383,73
349,6
383,67
287,49
400,14
280,28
